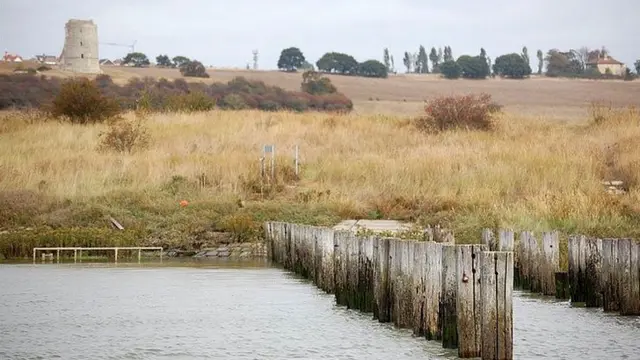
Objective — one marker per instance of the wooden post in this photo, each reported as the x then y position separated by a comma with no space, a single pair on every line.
340,266
535,259
576,269
34,255
75,256
550,262
562,285
468,299
593,297
381,281
629,275
448,302
115,254
420,280
489,239
610,282
139,256
58,256
505,240
365,274
433,290
524,260
497,308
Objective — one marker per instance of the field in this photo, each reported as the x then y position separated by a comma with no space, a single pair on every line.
541,169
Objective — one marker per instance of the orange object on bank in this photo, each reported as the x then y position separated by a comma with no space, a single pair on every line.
184,203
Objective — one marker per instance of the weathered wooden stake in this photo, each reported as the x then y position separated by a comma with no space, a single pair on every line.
468,299
433,289
610,281
550,262
592,276
419,277
448,302
629,285
489,239
381,310
576,269
497,308
562,285
506,240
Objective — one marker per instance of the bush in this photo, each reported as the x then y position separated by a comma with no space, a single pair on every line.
450,69
314,83
151,95
43,68
470,112
193,68
82,102
125,136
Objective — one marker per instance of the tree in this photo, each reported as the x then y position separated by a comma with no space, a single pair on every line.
448,55
540,61
338,63
525,55
450,69
393,65
307,66
435,60
473,67
440,56
562,63
372,68
314,83
163,61
483,52
637,66
407,61
291,59
193,69
137,59
180,60
387,59
583,55
511,66
423,60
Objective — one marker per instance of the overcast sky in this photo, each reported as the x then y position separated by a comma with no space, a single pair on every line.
223,33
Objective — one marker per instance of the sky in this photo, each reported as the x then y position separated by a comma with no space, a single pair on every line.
224,33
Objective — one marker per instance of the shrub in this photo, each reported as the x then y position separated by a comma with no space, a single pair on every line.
450,69
82,102
471,112
125,136
193,68
314,83
233,102
192,102
43,68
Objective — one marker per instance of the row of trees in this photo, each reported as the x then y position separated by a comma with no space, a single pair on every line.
292,59
572,63
188,67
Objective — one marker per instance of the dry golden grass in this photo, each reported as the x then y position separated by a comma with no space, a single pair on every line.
530,174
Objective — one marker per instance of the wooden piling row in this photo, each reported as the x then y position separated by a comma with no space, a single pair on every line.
602,272
457,294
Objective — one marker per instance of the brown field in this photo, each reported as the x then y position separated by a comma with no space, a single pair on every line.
404,94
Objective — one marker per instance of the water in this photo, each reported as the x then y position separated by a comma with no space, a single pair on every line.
222,312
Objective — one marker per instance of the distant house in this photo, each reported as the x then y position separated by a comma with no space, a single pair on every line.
607,65
106,62
47,59
117,62
11,57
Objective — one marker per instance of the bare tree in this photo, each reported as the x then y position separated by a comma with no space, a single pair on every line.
582,55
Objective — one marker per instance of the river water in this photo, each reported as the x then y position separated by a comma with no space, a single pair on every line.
219,311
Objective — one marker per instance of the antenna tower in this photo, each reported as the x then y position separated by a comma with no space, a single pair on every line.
255,59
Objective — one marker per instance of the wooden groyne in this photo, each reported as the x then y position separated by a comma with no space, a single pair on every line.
457,294
601,272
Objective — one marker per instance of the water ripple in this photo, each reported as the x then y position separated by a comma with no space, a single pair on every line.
212,313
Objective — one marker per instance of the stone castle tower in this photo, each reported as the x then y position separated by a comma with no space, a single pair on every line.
80,52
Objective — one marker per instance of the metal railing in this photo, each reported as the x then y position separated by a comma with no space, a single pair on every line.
77,251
